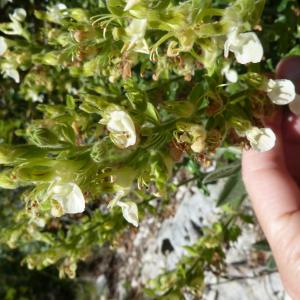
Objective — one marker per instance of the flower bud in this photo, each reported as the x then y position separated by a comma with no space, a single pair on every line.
78,15
6,180
6,154
51,58
117,33
19,15
230,74
213,139
186,39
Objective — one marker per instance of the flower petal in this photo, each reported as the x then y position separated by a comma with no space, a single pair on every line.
19,14
281,91
130,212
122,129
3,45
230,74
14,74
69,195
261,139
130,4
246,47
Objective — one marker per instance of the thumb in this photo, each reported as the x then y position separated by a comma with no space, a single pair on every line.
276,196
289,68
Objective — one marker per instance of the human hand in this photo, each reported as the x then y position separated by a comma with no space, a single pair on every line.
272,180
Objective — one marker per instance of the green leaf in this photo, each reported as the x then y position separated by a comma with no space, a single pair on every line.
223,172
271,264
258,8
233,192
295,51
116,7
152,113
94,104
158,4
106,153
65,133
198,91
70,102
262,246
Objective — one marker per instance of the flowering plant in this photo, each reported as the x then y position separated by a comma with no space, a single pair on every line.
107,101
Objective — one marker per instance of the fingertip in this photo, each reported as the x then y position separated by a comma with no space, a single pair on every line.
253,162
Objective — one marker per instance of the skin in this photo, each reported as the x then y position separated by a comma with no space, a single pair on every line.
272,180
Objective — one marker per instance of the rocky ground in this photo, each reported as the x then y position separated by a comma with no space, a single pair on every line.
158,246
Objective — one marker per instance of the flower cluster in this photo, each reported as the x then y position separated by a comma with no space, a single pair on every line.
119,95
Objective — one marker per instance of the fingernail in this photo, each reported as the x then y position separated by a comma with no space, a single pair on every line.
289,68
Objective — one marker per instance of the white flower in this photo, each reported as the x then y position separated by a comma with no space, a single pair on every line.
246,47
14,74
57,11
18,15
122,129
130,212
295,106
3,45
230,74
9,70
69,199
130,4
261,139
281,91
60,6
136,31
40,222
34,96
